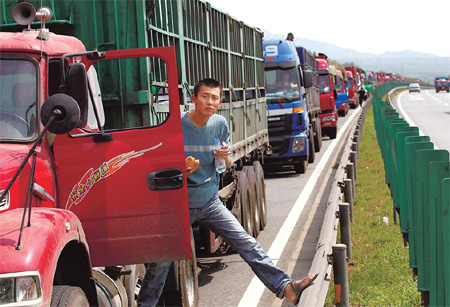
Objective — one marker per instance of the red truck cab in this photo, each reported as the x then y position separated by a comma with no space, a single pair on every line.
99,197
351,88
328,113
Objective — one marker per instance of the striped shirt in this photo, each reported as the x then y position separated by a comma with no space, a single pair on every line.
198,143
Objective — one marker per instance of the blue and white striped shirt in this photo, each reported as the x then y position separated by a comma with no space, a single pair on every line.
198,143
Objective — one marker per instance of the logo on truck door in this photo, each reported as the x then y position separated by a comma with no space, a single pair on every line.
106,169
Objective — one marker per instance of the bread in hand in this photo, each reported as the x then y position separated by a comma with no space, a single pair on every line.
192,163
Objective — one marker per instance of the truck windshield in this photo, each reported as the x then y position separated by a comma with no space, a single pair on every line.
282,84
350,82
18,104
324,84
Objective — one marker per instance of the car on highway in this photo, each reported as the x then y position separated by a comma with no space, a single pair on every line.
414,87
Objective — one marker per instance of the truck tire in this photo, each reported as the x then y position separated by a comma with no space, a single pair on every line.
311,151
133,282
332,133
318,136
109,292
300,168
262,203
68,296
189,278
181,288
253,189
246,213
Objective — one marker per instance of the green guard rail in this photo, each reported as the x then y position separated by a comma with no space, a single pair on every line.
418,176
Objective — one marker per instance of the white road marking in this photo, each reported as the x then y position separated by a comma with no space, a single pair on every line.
406,117
256,288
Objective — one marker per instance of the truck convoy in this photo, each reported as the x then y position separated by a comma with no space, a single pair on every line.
292,115
342,93
328,113
98,189
442,84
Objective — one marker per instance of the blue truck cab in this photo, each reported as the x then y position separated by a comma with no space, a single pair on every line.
342,94
288,120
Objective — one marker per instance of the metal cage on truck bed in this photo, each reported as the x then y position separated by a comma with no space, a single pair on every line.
208,43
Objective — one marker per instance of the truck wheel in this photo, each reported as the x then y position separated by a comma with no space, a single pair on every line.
109,292
318,136
300,168
253,189
311,151
246,213
181,288
262,203
133,282
189,278
68,296
332,133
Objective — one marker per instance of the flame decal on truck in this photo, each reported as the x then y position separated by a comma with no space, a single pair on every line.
106,169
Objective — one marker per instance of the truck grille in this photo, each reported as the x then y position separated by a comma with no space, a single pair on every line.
4,204
280,133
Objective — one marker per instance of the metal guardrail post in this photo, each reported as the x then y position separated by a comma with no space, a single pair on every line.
354,160
346,235
348,195
350,169
340,275
355,147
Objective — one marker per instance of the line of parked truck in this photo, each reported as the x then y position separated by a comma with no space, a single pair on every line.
92,167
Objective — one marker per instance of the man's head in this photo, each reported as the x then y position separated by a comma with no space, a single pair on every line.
207,97
209,82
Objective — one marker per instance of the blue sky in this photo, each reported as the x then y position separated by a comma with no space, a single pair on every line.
366,26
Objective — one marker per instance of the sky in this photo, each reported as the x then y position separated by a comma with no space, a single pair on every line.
372,26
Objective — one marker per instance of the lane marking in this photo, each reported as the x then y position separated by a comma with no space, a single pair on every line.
299,247
406,117
256,288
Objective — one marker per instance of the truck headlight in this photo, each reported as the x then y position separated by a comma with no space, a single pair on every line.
328,118
298,144
20,287
26,289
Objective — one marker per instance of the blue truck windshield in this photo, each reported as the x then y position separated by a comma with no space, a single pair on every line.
324,84
282,84
18,104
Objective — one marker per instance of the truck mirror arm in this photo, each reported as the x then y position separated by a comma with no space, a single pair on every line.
56,113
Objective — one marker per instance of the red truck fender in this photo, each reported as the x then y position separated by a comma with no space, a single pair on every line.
51,233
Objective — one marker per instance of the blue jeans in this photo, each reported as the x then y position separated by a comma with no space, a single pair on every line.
217,218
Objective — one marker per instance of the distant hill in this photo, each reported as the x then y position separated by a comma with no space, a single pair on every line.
407,63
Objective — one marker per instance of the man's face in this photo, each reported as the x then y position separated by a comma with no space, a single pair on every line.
207,101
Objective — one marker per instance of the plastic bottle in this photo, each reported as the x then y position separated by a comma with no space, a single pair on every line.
220,162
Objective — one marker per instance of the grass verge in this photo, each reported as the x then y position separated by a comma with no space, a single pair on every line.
378,271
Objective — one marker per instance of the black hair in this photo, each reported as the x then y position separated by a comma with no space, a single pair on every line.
209,82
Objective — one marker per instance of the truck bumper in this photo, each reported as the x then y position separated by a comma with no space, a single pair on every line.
328,120
283,155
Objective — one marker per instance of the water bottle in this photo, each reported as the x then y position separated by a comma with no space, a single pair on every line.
220,162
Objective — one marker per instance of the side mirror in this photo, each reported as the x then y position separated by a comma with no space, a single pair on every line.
308,78
77,88
69,113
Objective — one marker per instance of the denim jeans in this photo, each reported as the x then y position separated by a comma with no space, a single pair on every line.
217,218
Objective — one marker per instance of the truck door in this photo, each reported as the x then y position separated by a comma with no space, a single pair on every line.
127,183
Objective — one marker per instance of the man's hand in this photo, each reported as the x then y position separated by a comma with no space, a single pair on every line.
189,171
224,153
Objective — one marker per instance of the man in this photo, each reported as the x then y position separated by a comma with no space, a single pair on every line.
200,128
362,95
